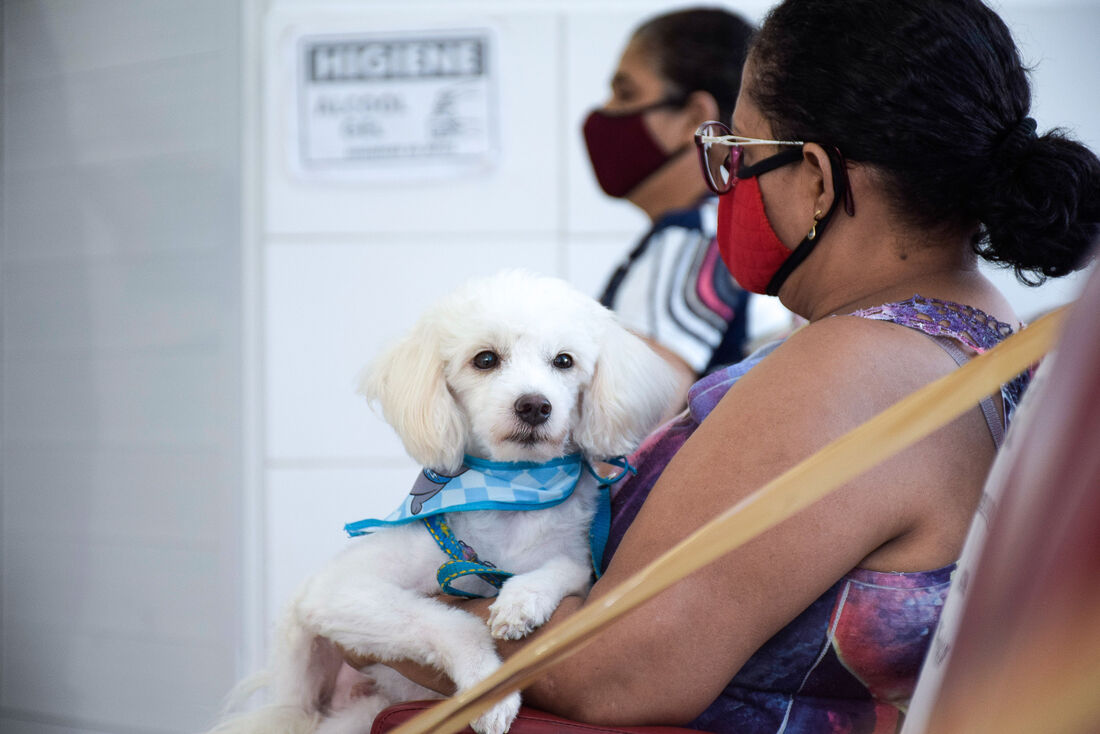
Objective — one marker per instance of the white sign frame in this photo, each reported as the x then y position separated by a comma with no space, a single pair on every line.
377,106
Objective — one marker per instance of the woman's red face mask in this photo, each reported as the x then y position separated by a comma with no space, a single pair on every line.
746,241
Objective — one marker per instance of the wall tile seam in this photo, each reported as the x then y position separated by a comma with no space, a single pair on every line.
100,447
153,638
304,462
30,534
78,725
92,165
30,352
185,60
116,449
204,251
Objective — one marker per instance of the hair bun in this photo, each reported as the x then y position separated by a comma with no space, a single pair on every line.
1041,212
1017,139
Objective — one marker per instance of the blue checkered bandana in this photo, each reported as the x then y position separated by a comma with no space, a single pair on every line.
483,485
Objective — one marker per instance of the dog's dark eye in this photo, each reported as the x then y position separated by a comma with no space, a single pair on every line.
563,361
486,360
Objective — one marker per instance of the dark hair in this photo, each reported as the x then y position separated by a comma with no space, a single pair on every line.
932,93
699,49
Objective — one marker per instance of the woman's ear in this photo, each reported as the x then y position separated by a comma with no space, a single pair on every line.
700,107
407,382
819,168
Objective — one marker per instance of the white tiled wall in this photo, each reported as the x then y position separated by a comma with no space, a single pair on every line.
183,318
121,369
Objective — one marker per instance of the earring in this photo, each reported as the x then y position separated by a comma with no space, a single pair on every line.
813,229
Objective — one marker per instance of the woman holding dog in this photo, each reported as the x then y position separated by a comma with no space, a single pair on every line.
679,70
877,149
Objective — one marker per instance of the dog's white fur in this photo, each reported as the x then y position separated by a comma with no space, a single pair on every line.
376,597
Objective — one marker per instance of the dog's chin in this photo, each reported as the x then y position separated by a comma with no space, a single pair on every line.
531,445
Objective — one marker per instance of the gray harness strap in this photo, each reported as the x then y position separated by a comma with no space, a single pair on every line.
989,410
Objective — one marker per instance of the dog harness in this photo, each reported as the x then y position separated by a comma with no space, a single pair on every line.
495,485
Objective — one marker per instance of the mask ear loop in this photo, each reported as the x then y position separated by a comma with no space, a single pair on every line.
842,190
840,180
673,100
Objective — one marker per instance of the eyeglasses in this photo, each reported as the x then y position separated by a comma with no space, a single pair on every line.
720,156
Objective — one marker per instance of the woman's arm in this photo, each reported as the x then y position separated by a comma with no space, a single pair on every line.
666,661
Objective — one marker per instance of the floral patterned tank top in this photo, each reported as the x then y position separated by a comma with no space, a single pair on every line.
848,663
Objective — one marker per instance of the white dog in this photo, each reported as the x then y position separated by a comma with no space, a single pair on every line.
510,368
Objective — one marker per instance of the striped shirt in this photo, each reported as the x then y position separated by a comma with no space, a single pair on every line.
674,288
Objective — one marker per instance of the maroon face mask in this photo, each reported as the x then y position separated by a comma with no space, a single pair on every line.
622,150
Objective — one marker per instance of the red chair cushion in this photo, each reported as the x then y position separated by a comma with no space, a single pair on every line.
529,721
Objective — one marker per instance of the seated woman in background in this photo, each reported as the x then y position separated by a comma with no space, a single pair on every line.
886,146
677,71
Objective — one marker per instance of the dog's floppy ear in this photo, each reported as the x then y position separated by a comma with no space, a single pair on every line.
631,389
407,382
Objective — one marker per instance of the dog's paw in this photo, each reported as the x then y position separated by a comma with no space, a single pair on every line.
497,719
517,611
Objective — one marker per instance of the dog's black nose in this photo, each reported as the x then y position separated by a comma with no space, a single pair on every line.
533,409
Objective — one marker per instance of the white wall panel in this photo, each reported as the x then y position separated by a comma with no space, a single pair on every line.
1030,302
332,307
115,113
152,400
141,496
89,306
120,292
162,593
168,203
169,686
590,259
63,36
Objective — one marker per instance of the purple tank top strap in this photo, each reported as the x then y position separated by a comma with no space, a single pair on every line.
966,324
972,327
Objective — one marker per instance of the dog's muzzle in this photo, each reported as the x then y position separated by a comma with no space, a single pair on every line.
533,409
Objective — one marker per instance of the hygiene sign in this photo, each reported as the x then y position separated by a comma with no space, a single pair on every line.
395,106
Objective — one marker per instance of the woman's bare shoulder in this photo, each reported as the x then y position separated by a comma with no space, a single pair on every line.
843,335
874,361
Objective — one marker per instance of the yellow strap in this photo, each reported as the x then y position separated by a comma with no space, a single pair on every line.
896,428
